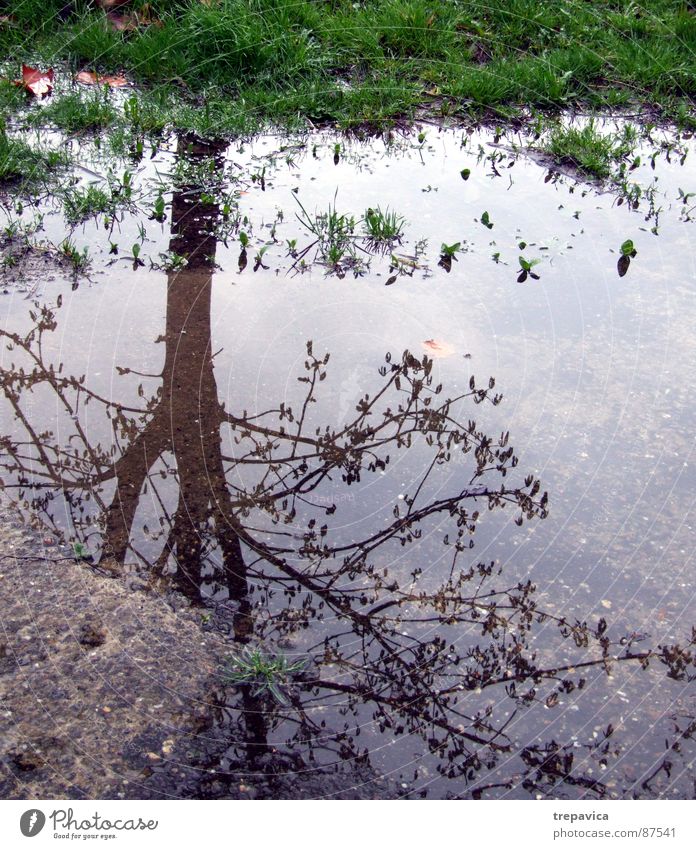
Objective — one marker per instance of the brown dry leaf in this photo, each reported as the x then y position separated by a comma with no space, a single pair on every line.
122,23
438,349
39,83
90,78
8,20
129,21
146,17
114,82
86,77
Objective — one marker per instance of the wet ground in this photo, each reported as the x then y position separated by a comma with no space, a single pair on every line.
275,401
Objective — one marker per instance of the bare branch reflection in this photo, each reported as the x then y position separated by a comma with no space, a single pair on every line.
249,523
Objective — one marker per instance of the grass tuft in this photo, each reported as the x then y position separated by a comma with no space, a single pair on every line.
589,151
22,163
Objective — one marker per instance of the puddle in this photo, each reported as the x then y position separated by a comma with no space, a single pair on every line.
299,425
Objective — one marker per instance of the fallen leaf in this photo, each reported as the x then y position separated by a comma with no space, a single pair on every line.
111,4
127,21
122,23
8,19
90,78
39,83
606,603
87,77
438,349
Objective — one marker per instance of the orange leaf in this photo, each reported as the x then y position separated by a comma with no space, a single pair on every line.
438,349
90,78
86,77
114,82
39,83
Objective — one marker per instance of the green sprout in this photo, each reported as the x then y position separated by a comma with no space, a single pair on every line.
447,254
526,266
78,259
628,252
450,250
172,261
628,249
158,209
486,220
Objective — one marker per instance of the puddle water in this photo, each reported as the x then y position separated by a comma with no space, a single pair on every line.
299,424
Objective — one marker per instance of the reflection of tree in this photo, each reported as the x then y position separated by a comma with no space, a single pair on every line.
388,644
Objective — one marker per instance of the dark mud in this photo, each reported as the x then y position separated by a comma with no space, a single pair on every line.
27,269
112,689
101,680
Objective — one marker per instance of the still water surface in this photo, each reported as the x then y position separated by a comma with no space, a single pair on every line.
183,416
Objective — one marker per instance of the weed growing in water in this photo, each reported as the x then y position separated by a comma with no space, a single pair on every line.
21,162
334,237
628,252
158,208
447,254
590,151
171,262
526,266
264,672
79,260
78,113
80,551
383,228
486,220
80,204
336,242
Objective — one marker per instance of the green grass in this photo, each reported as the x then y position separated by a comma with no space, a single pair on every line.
80,262
589,151
332,232
383,228
81,204
78,112
236,65
21,163
263,672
